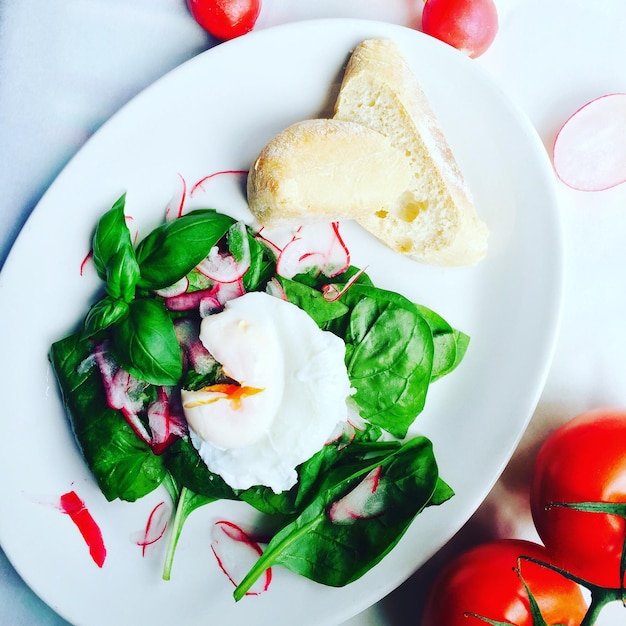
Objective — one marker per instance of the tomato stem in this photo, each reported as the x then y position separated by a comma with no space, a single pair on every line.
600,597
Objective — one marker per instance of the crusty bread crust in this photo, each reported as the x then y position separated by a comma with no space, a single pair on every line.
436,221
321,169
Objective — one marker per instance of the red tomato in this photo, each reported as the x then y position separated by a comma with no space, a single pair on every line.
482,581
468,25
583,461
225,19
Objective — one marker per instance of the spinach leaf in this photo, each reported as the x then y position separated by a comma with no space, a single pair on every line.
450,344
145,343
334,553
189,470
389,356
347,452
113,253
188,501
123,465
174,248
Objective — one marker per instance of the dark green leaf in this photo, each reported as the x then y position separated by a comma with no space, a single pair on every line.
123,465
187,503
338,553
190,471
113,253
450,345
145,343
389,354
173,249
103,314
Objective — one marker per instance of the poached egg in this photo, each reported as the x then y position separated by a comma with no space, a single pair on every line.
288,396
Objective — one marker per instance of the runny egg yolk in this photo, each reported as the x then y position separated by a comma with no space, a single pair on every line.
224,392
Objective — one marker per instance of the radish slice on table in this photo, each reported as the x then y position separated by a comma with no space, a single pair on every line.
590,149
236,552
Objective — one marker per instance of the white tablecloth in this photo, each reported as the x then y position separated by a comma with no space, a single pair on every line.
68,65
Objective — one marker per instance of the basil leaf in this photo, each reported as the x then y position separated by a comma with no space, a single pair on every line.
122,464
113,253
389,356
111,233
336,554
102,314
145,343
173,249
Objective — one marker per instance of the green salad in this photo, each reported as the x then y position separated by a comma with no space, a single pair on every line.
121,375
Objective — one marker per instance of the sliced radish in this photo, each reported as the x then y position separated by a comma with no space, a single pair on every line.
187,333
223,267
221,294
332,292
365,501
124,394
274,288
318,246
189,301
156,525
175,207
166,425
236,552
177,289
589,151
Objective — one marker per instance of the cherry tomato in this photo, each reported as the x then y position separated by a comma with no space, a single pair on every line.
468,25
225,19
583,461
482,581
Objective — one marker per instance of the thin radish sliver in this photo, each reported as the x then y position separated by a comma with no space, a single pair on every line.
590,149
236,553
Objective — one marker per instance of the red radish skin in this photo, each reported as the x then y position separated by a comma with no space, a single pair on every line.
156,525
120,387
83,265
200,184
589,152
470,26
175,207
332,292
236,552
75,508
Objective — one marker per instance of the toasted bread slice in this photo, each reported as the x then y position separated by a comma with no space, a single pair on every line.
435,222
324,169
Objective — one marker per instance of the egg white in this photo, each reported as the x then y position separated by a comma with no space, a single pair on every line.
299,385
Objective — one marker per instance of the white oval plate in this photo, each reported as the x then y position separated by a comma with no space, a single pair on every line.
215,113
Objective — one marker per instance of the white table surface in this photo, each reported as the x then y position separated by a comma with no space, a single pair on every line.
550,56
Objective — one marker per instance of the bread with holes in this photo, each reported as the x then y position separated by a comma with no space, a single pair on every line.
435,220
